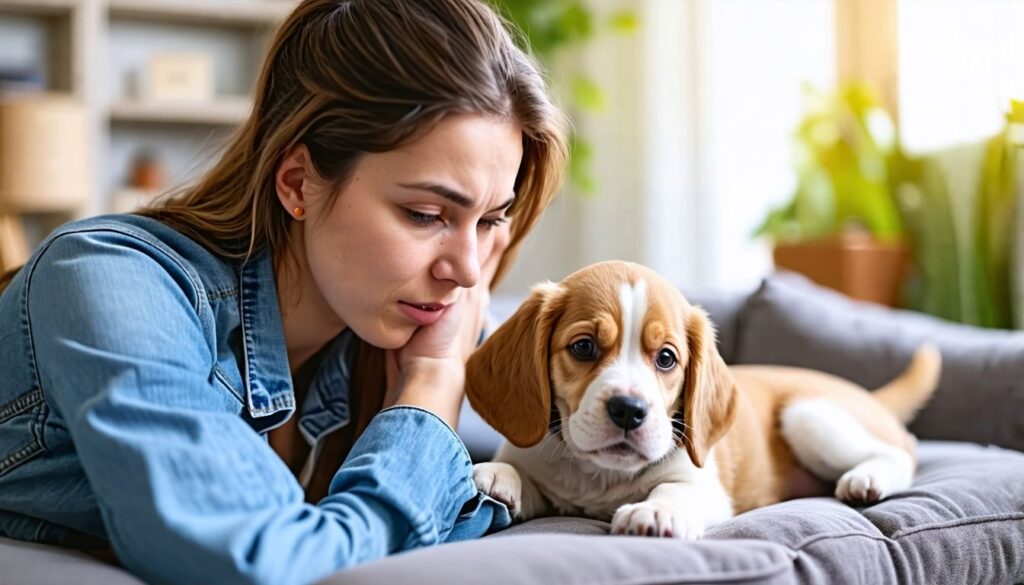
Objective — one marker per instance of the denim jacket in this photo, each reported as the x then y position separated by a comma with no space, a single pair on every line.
139,377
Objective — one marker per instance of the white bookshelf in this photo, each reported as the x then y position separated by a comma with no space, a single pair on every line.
88,48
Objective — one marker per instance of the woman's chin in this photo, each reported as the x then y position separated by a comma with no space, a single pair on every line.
387,339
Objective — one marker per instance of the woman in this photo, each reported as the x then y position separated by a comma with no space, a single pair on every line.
182,385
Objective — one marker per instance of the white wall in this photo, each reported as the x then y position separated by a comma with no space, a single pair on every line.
758,54
960,63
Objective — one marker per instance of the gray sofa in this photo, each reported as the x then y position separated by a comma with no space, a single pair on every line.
962,521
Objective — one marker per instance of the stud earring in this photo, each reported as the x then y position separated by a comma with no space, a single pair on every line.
299,212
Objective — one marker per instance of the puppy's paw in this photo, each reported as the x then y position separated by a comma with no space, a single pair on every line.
867,483
657,519
500,481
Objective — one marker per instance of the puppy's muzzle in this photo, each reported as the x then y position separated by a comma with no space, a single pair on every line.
627,412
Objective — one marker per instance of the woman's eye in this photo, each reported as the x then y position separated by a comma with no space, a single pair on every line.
666,360
422,219
489,224
584,350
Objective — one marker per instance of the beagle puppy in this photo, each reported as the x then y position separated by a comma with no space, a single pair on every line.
616,405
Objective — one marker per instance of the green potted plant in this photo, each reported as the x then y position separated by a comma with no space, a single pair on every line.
843,227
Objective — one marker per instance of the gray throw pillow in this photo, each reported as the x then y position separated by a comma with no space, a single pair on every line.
791,321
723,308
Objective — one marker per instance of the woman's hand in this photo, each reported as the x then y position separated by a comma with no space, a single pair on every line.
429,370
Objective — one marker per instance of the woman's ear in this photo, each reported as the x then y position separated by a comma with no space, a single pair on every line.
292,180
708,397
507,378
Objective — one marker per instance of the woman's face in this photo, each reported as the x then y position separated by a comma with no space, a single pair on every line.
411,227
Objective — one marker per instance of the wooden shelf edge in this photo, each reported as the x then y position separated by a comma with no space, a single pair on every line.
224,111
262,12
39,7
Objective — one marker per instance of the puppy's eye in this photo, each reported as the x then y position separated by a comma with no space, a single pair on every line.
666,360
584,350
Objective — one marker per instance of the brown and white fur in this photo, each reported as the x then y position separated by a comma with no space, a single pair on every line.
652,431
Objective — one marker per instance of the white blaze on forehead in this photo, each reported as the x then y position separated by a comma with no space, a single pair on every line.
633,301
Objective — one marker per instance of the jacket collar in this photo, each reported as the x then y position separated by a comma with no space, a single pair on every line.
326,406
267,378
270,394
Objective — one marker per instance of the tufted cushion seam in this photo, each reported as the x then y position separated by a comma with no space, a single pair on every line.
990,519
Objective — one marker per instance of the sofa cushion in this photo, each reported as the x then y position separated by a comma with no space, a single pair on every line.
39,564
961,522
980,398
585,560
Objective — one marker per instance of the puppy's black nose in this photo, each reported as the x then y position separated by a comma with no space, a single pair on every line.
627,412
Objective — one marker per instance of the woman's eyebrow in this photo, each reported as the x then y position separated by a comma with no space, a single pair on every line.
452,195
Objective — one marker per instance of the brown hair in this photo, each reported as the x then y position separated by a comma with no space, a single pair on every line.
348,77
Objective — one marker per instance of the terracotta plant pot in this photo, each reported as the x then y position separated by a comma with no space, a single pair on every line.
854,264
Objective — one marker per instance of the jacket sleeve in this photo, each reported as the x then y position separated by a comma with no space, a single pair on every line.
189,493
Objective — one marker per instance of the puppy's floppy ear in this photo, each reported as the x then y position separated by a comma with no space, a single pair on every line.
709,392
507,378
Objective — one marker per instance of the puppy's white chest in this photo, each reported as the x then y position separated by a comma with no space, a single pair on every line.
574,489
592,496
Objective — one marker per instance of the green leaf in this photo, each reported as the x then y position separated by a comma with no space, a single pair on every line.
1017,111
575,23
994,234
580,156
624,22
933,285
588,95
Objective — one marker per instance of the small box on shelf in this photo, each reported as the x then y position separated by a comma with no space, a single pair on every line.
178,77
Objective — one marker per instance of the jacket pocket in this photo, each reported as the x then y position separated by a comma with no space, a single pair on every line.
20,438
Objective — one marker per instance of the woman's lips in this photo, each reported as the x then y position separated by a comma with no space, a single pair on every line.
422,313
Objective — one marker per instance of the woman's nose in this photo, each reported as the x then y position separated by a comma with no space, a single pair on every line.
460,260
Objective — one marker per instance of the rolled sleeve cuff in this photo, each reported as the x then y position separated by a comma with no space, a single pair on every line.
481,515
411,463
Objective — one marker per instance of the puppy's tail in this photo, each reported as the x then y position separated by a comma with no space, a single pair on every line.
909,392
